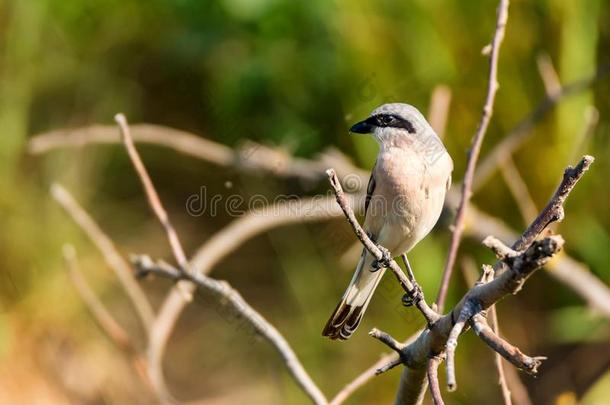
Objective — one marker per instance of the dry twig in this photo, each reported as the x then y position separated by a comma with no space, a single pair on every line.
228,295
516,136
435,391
473,153
102,316
112,257
99,311
221,289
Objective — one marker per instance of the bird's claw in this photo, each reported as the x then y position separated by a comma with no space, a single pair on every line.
382,263
413,297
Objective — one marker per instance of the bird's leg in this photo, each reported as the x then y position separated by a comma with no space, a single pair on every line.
384,262
416,294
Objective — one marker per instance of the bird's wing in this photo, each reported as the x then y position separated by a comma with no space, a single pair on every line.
370,189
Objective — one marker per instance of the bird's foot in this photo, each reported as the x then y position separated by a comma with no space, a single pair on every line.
384,262
413,297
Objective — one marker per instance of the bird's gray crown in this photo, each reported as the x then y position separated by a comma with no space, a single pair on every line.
400,115
393,116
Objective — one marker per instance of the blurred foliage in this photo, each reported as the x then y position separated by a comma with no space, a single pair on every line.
295,75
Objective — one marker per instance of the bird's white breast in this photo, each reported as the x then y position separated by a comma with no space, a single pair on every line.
414,186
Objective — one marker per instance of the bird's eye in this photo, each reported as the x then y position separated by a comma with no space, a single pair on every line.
387,120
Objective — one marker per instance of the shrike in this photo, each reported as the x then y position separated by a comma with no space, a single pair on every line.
405,196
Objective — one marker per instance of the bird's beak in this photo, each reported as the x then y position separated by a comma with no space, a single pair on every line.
363,127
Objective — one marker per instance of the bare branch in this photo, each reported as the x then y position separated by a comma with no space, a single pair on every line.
369,373
554,210
364,378
229,239
250,156
564,269
520,265
468,310
433,384
473,154
519,190
388,366
153,197
386,339
106,321
110,253
501,346
502,381
549,75
434,339
225,293
588,129
499,248
184,274
515,137
101,314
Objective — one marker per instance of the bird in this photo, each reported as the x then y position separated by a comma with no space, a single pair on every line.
405,196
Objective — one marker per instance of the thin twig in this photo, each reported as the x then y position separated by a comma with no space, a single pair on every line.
370,372
548,74
553,212
250,156
435,390
519,394
502,381
507,350
566,270
363,378
102,316
153,197
515,137
100,313
226,294
226,241
222,289
386,339
467,311
519,190
473,154
110,253
588,128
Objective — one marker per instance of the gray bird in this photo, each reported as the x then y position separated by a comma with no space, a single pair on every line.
405,196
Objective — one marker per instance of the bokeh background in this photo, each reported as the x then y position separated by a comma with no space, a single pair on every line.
292,75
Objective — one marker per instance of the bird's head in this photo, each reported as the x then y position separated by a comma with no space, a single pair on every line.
393,122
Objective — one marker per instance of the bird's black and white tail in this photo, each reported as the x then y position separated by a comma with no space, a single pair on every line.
348,314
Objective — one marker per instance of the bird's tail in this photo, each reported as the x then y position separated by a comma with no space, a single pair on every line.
348,314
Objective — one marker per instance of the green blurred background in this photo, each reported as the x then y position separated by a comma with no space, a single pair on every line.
294,75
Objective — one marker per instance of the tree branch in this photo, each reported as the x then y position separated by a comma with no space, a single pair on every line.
521,264
226,294
515,137
110,253
509,352
184,274
433,384
102,316
473,154
100,313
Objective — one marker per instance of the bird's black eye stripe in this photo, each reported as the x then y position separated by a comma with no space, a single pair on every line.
393,121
